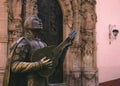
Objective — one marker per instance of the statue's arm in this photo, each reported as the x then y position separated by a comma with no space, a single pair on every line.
21,61
19,66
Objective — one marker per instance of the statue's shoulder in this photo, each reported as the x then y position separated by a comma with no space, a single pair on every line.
20,42
20,39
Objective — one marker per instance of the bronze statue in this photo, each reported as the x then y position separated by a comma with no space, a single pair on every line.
20,71
30,61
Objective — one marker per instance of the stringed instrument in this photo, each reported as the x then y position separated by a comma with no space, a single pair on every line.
52,52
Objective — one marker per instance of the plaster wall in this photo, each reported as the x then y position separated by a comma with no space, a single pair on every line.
108,55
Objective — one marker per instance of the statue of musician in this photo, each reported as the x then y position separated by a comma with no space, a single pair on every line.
20,71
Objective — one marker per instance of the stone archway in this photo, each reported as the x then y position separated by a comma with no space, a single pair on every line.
80,67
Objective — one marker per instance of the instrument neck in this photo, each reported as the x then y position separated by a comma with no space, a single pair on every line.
58,50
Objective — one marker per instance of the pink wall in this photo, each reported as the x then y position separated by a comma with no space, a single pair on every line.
108,56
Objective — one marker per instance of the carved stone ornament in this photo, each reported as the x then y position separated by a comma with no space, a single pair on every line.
77,14
30,8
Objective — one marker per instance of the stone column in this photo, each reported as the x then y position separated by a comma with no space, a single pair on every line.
89,72
32,4
14,20
3,37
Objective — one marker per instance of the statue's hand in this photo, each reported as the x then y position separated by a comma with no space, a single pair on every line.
45,62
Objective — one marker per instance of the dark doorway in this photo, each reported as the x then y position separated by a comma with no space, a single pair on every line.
51,16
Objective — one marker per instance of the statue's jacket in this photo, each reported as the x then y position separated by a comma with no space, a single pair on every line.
20,71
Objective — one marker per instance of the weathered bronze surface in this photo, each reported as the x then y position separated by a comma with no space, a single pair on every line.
20,71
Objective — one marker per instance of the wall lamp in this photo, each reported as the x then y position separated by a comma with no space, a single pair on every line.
113,32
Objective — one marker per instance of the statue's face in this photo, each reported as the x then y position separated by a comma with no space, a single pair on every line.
33,22
33,25
36,24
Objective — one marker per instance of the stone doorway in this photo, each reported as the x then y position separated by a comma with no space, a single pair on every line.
80,67
52,34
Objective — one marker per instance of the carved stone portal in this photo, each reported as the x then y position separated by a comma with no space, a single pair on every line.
79,68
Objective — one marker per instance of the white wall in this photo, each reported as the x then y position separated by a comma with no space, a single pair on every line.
108,56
